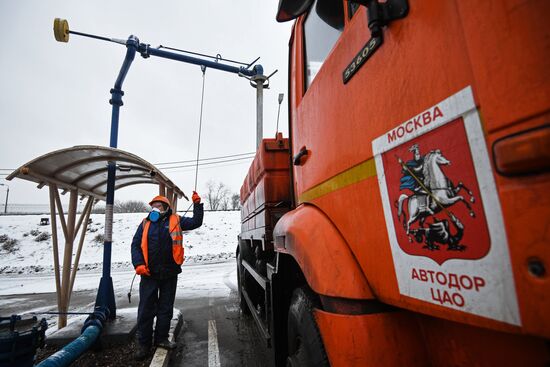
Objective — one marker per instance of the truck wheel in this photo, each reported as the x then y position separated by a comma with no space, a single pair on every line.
305,346
240,283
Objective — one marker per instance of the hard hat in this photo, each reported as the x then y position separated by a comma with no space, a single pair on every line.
161,199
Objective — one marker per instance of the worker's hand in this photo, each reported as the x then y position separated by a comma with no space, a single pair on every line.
142,270
196,198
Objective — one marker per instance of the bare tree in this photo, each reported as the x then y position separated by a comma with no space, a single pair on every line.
130,206
217,195
98,209
235,201
224,203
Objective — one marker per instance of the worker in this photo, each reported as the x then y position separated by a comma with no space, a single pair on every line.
157,255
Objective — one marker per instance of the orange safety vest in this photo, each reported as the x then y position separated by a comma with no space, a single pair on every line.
177,239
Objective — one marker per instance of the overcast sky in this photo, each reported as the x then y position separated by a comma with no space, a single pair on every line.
55,95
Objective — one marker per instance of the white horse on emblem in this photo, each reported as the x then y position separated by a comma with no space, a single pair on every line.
441,192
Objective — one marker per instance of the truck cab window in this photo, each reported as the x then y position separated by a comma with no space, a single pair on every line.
322,27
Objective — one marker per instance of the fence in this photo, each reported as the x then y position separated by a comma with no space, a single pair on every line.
17,209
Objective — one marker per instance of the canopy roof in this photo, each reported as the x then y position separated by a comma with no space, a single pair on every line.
84,168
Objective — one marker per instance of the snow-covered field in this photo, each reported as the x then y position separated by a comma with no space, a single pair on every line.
215,240
27,282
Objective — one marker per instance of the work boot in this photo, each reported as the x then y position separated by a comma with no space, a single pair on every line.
165,343
142,351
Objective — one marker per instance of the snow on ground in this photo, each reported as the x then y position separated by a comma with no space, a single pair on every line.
33,294
27,282
195,280
215,240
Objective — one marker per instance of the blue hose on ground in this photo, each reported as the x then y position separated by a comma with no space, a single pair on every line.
73,350
90,332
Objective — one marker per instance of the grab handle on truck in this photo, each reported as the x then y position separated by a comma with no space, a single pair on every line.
297,160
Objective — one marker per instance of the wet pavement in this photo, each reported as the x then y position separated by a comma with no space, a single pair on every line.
215,332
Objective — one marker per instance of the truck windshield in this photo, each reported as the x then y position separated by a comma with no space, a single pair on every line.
322,27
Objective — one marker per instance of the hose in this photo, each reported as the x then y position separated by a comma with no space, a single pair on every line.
70,353
131,286
90,333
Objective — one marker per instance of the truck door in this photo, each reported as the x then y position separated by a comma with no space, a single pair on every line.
420,61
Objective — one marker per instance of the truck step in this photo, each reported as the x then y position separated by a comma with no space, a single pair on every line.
256,315
262,281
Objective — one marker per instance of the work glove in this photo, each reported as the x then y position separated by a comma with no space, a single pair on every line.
142,270
196,198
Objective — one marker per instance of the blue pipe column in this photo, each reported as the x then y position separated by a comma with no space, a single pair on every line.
105,293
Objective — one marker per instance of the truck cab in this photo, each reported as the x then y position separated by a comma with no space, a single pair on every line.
411,226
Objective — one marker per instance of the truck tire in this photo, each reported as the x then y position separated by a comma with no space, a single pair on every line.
305,346
240,283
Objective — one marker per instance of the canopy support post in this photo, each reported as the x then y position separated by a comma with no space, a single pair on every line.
84,215
170,196
67,259
61,213
53,219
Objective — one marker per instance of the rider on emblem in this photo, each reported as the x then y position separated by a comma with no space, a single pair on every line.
432,192
414,166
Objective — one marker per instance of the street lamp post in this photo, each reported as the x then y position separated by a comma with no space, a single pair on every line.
7,194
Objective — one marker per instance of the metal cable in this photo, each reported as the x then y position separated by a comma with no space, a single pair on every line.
58,313
217,57
203,68
202,159
209,163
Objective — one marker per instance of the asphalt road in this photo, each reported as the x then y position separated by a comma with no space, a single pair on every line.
215,333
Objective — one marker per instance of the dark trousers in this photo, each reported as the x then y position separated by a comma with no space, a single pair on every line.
156,298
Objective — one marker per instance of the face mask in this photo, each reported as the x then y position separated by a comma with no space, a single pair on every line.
154,215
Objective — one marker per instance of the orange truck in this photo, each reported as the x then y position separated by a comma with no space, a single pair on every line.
406,219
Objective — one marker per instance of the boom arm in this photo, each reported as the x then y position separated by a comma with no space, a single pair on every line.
105,294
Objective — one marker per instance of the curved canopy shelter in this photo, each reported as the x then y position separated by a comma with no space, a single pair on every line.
83,170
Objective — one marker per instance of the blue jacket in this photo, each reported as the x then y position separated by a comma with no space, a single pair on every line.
160,259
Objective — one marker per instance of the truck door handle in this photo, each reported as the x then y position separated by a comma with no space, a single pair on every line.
297,160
